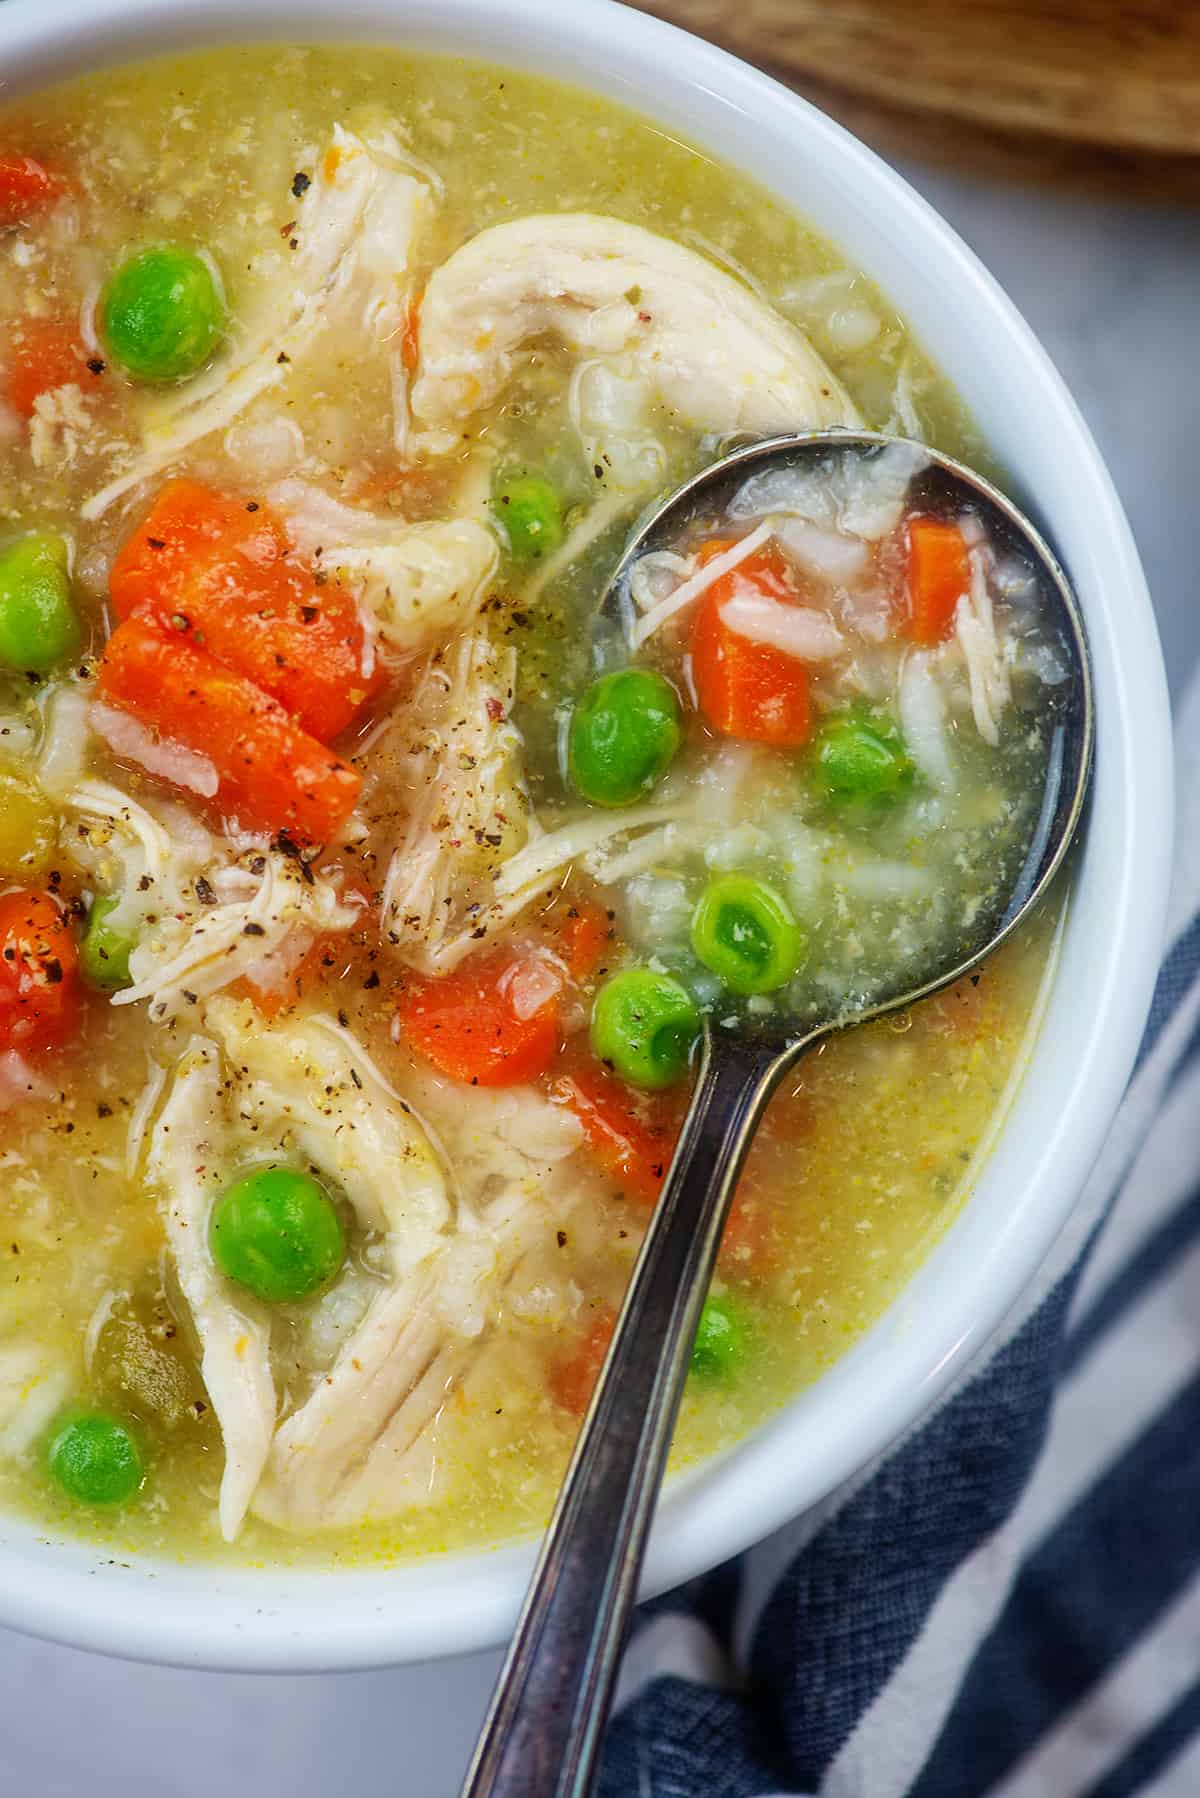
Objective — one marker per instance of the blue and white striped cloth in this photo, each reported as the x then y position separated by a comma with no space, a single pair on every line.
1007,1604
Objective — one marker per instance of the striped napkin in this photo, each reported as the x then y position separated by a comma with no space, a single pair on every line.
1007,1605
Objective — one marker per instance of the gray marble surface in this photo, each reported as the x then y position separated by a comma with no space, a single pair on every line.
1110,289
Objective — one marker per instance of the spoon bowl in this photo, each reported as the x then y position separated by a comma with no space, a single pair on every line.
542,1735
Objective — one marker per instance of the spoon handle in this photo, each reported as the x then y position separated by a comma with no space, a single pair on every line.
546,1721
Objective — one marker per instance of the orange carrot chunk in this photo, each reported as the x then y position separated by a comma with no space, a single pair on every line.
939,573
573,1378
217,571
632,1135
587,931
42,354
27,187
39,973
748,690
271,774
469,1024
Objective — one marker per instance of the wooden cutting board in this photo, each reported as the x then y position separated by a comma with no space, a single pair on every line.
1093,93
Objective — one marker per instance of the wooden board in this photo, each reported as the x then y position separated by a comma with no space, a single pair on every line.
1087,92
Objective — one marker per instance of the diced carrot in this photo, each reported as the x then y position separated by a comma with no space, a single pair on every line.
27,187
271,774
632,1135
939,573
573,1378
42,354
39,973
410,348
748,690
467,1025
217,570
586,932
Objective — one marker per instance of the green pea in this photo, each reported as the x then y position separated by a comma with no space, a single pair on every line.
277,1233
860,763
745,932
625,732
530,512
162,315
721,1340
96,1459
644,1024
105,949
38,625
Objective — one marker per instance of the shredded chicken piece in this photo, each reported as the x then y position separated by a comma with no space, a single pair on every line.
417,583
60,428
203,947
513,1136
470,811
189,1157
32,1389
690,589
426,583
975,631
357,222
706,347
322,1090
350,1452
298,1087
579,839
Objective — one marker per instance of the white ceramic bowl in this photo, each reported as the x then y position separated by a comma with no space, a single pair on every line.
308,1620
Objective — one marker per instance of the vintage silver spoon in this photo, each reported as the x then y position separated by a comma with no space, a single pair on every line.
543,1731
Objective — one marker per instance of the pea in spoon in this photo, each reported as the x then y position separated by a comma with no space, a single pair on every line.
544,1729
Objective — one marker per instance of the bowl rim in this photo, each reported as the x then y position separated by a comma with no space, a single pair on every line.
309,1619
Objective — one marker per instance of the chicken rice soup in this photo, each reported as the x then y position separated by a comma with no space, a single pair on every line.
362,896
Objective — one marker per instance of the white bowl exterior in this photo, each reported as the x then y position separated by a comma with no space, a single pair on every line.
308,1619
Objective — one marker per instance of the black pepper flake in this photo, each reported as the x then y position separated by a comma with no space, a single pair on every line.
104,1111
145,882
343,1019
204,890
190,997
156,542
283,357
252,505
253,929
371,981
53,971
308,613
300,184
561,1238
95,365
355,1078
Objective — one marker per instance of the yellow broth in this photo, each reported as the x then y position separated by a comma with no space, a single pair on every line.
870,1151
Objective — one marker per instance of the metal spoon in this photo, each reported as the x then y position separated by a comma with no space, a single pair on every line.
543,1731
